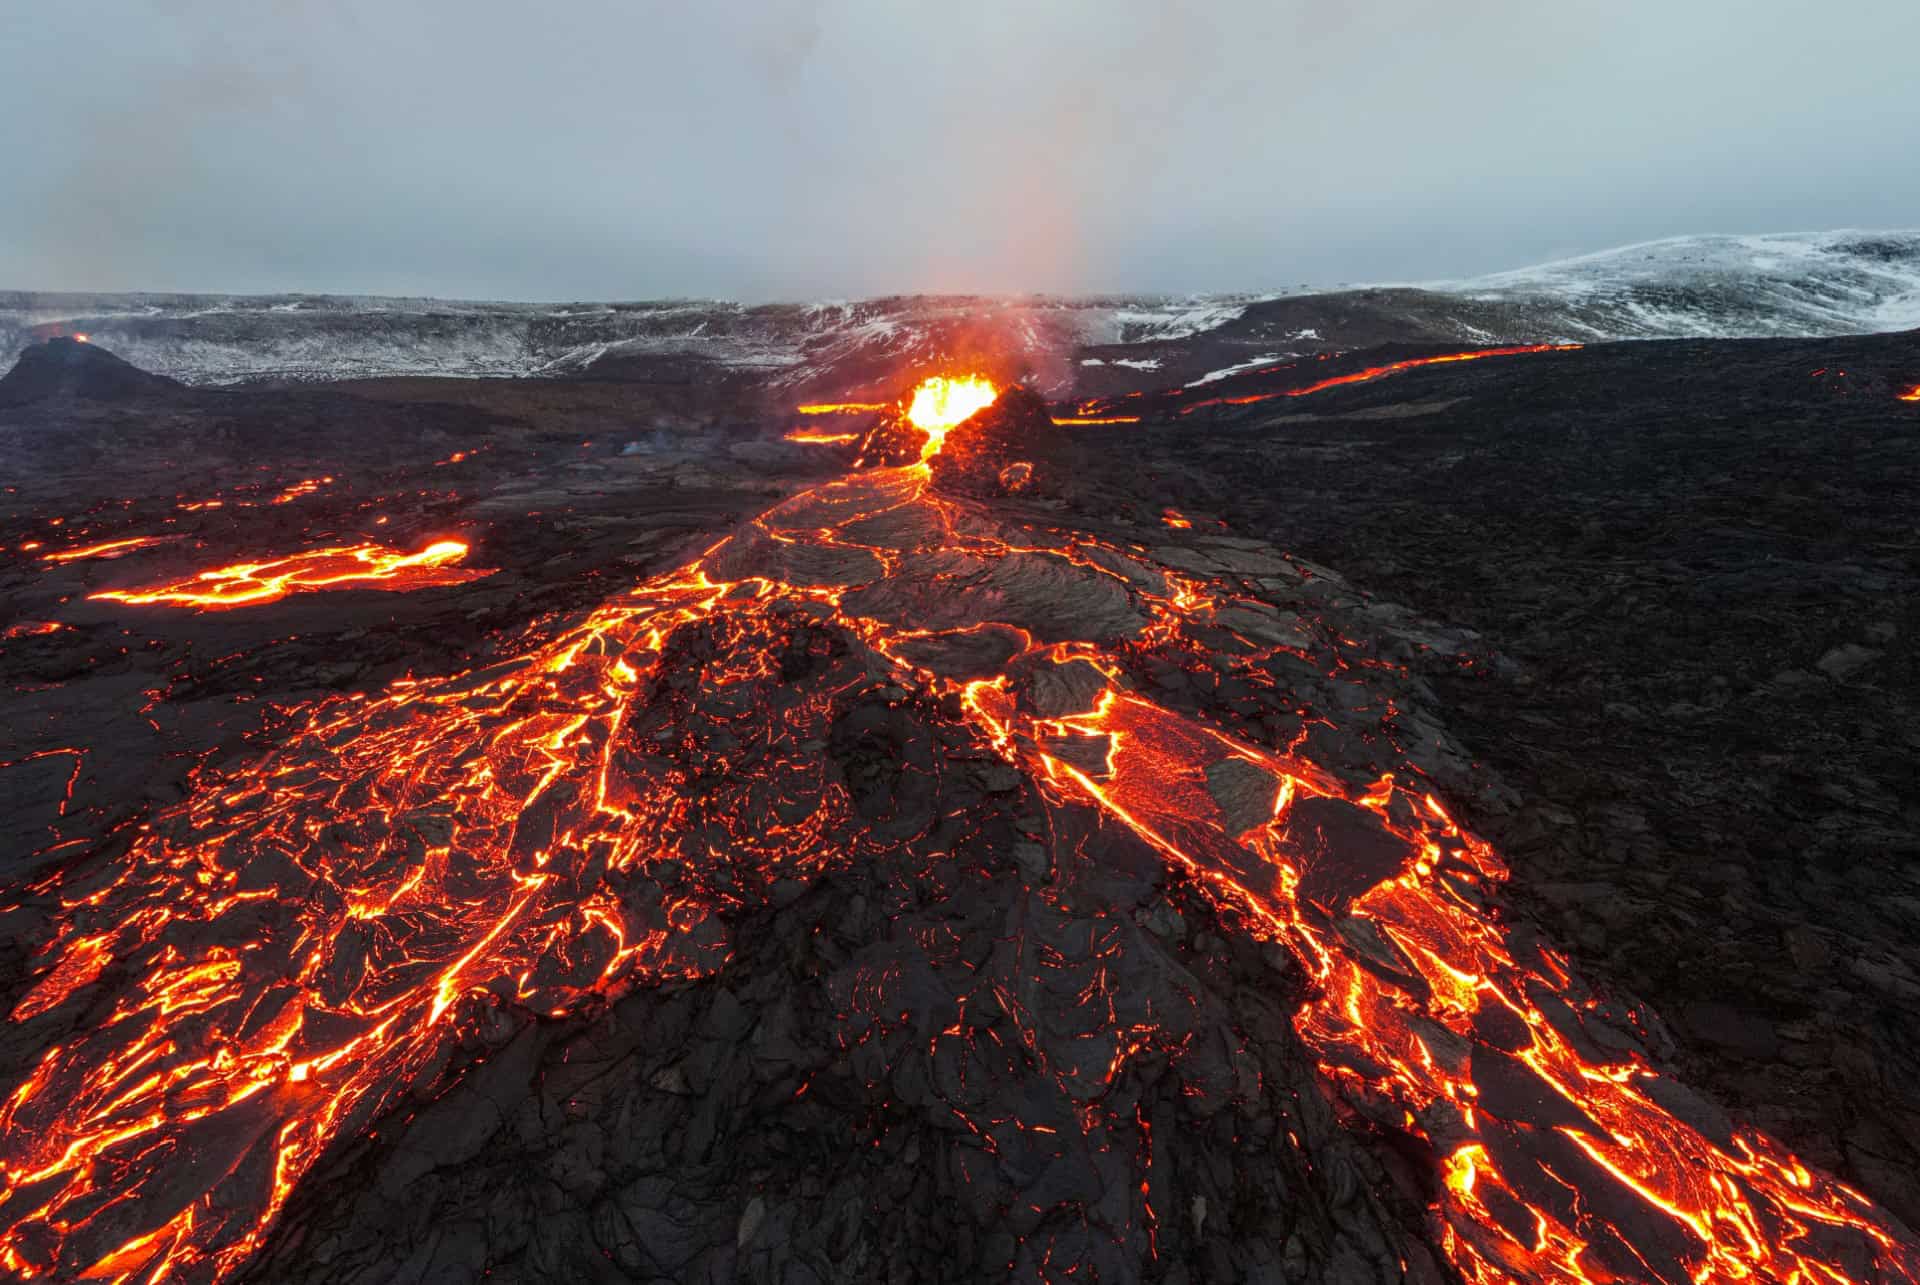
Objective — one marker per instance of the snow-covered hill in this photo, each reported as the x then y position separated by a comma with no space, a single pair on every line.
1803,284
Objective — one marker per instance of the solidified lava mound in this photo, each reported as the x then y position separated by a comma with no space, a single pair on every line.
64,367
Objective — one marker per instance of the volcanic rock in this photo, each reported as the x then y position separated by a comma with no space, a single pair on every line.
63,367
977,457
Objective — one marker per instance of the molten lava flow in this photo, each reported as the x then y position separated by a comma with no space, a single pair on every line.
1911,395
1095,419
107,548
841,408
306,486
1372,373
359,566
302,945
32,629
942,403
821,439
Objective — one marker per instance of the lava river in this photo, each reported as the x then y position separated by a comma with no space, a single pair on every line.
284,956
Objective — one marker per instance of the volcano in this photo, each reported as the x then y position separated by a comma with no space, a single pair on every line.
962,838
68,366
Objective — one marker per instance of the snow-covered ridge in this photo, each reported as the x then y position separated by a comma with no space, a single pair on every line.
1791,284
1799,284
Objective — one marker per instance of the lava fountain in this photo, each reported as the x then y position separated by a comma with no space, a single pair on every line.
943,403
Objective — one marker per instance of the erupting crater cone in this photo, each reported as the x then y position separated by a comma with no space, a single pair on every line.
943,403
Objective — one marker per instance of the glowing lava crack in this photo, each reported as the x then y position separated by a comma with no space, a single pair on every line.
304,941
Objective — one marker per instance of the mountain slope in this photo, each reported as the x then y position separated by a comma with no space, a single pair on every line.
1799,285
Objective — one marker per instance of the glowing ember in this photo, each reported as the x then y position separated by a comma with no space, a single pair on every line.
32,629
941,403
1372,373
842,408
107,548
821,439
305,942
298,489
359,566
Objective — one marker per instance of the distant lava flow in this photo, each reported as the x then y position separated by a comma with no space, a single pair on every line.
842,408
306,486
1911,395
1372,373
107,548
308,938
356,566
811,438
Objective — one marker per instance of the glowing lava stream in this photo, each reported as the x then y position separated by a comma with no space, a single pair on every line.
1372,373
308,938
1911,395
108,548
357,566
841,408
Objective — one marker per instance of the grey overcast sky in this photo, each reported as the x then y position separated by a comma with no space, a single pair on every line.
797,148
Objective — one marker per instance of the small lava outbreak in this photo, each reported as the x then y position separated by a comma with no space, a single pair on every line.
306,940
356,566
106,548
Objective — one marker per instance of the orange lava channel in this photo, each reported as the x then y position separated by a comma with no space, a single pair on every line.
107,548
841,408
1372,373
1095,419
821,439
358,566
1911,395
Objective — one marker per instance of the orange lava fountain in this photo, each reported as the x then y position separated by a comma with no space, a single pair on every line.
305,940
942,403
357,566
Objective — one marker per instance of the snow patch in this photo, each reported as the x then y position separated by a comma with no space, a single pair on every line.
1229,371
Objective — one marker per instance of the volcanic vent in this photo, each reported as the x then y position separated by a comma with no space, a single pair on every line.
906,885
